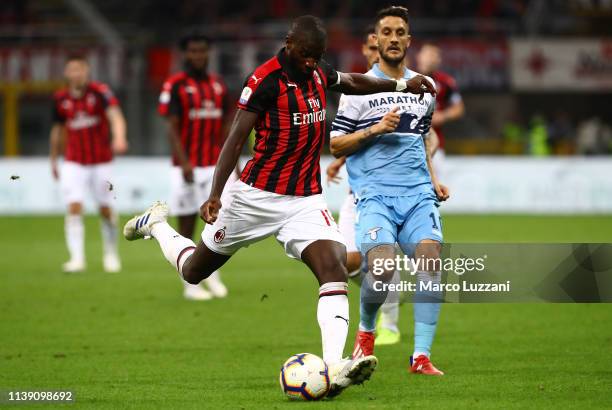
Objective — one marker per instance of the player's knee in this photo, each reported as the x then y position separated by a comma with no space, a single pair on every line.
332,270
193,274
353,261
429,251
381,262
75,208
106,212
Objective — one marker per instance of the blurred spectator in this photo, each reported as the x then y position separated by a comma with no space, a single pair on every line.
560,132
538,137
513,133
594,137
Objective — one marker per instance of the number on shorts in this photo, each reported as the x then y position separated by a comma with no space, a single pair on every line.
435,225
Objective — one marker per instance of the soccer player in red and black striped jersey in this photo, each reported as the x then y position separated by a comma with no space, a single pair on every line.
279,192
87,113
195,103
449,104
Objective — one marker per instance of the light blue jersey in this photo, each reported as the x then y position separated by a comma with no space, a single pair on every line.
392,164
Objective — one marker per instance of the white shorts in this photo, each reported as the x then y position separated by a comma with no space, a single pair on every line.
252,214
346,222
76,179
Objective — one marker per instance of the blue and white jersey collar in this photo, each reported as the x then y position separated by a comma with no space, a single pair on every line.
379,73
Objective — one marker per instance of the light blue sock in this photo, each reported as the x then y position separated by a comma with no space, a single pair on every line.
367,315
426,313
370,302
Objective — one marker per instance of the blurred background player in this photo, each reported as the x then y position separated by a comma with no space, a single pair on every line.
396,189
84,114
194,102
346,218
449,104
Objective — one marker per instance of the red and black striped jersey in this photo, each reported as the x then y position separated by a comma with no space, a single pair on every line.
199,104
87,128
290,129
447,94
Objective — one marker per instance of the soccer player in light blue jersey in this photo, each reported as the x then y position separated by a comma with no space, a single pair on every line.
384,138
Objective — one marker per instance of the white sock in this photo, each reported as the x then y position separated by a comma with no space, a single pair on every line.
176,248
75,236
109,234
389,315
333,317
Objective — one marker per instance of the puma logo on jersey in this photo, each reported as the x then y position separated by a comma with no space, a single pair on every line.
255,78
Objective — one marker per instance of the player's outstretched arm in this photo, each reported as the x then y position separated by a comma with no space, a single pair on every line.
359,84
348,144
243,123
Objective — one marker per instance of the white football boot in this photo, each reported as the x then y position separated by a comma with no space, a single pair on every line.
348,372
74,266
195,292
215,286
111,262
139,227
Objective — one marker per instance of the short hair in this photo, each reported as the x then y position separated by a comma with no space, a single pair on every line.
429,44
370,29
76,57
395,11
193,36
309,28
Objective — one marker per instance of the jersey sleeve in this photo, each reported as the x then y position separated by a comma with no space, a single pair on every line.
108,97
259,93
169,100
332,77
347,117
454,96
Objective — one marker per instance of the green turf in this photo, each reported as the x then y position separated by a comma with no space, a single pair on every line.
130,340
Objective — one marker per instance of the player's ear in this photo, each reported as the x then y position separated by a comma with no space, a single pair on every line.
409,40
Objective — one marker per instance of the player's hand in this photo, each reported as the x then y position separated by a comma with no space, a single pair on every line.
333,170
187,173
388,123
442,192
54,170
419,85
210,210
120,146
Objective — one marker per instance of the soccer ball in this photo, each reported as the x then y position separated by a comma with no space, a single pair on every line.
304,376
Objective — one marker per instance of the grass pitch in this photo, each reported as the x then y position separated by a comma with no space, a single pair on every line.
130,340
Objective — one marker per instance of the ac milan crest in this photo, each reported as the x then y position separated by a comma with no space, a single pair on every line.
219,235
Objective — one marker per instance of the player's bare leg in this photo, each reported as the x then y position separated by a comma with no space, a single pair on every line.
353,265
371,300
213,282
75,238
202,263
186,225
193,264
186,228
426,312
327,261
108,225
